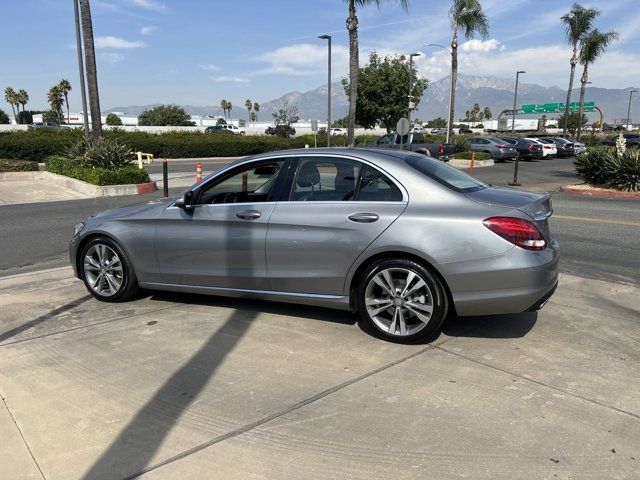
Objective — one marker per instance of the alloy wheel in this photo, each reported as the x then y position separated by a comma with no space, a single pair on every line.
103,270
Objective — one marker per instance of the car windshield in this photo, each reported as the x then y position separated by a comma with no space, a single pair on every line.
445,174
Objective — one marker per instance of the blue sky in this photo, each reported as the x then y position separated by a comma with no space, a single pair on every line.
200,51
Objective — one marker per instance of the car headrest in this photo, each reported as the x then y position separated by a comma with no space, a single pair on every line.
308,175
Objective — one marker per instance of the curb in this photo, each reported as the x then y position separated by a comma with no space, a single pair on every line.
462,163
602,192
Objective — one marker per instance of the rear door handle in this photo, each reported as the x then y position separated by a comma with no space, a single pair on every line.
249,215
363,217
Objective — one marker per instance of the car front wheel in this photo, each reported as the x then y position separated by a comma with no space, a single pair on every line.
107,272
402,300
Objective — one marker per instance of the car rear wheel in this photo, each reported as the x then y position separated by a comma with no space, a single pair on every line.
402,300
107,272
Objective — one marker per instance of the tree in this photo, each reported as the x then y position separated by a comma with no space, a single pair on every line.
352,27
382,91
165,115
256,109
221,121
284,117
248,104
113,120
487,113
592,46
50,116
55,99
23,98
466,16
340,123
573,121
437,123
577,24
91,70
65,88
10,96
252,116
226,107
4,118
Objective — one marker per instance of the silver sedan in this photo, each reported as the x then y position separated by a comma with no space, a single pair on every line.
399,238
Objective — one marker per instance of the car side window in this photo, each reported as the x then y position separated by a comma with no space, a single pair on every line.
325,180
473,141
250,183
376,187
402,139
385,139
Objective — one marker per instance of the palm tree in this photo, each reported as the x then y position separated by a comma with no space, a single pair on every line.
592,46
466,16
229,107
23,98
577,23
92,72
55,99
10,97
223,106
352,27
256,109
65,88
487,113
248,104
253,116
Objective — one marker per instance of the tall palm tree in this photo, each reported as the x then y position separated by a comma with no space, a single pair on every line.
256,109
23,98
10,97
65,88
55,99
248,104
577,23
223,106
92,72
592,46
352,27
229,107
468,17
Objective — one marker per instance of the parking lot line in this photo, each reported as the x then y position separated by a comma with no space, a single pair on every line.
596,220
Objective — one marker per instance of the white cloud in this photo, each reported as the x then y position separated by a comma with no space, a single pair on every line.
480,45
302,59
150,5
209,67
115,42
147,30
230,79
111,58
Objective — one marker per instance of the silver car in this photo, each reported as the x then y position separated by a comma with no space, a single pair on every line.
398,237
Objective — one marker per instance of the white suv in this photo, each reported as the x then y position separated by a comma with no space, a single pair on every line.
337,131
234,129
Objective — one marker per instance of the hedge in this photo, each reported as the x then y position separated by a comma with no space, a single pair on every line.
18,166
96,176
467,155
40,144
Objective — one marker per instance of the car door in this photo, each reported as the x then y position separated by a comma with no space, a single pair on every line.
335,208
220,243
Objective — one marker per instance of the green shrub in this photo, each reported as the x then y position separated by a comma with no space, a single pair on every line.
165,115
4,118
113,120
96,176
591,140
107,153
602,167
461,145
18,166
467,155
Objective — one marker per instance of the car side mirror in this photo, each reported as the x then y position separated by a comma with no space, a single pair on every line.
185,201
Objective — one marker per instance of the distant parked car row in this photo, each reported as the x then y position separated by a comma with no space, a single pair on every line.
225,128
507,148
633,140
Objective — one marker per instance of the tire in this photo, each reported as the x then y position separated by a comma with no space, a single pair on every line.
107,271
418,315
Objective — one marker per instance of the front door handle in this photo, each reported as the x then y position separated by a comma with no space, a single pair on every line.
249,215
363,217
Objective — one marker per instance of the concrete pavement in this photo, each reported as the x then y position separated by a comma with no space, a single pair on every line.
183,386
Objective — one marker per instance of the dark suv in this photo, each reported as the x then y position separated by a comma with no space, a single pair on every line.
633,140
527,149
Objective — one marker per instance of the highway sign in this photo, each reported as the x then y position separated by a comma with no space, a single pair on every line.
557,107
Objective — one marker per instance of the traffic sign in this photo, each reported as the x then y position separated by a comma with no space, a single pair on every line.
403,127
556,107
314,126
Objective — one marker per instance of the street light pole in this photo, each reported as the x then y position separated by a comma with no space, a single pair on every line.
631,92
328,39
515,101
83,91
449,127
411,84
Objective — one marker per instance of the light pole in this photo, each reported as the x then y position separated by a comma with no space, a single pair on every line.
83,90
449,127
328,39
411,103
515,101
631,92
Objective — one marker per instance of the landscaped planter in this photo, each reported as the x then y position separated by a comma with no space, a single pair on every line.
585,189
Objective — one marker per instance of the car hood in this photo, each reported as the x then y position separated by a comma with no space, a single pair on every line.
149,209
536,205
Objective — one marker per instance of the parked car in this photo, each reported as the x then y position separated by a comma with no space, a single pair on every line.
418,130
48,125
233,129
397,237
439,131
549,149
564,146
633,140
217,129
415,142
579,147
499,150
465,131
527,149
337,131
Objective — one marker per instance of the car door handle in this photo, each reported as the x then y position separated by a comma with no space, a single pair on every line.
363,217
249,215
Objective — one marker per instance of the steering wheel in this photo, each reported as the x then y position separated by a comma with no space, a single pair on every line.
231,197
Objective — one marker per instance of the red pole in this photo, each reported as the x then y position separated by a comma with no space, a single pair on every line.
198,172
473,159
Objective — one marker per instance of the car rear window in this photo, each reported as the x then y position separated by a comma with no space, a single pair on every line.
444,174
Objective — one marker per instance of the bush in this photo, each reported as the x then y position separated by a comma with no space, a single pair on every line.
460,145
113,120
4,118
602,167
467,155
96,176
591,140
25,118
165,115
18,166
107,153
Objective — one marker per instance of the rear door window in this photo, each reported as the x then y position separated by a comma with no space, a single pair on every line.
376,187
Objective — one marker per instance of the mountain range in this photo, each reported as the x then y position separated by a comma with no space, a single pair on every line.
493,92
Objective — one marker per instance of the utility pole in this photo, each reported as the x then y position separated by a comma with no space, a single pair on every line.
631,92
411,103
515,101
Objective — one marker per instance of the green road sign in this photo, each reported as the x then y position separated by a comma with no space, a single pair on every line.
557,107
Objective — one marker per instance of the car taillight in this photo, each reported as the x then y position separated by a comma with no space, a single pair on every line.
532,147
440,149
521,233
